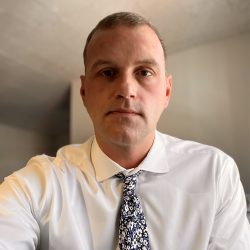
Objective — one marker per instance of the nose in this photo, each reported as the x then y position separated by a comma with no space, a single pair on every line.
126,87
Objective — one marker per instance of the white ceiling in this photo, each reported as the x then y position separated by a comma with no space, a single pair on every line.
42,40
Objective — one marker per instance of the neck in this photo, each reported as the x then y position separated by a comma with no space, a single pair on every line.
129,155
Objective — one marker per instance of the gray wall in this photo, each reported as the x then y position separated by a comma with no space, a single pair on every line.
210,101
17,145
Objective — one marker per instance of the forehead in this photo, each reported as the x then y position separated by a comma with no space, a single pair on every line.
124,42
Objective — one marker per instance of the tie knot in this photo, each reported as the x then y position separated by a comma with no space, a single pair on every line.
128,178
129,183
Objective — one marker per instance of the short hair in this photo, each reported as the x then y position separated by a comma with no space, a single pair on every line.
128,19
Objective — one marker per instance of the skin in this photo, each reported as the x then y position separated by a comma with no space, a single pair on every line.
125,90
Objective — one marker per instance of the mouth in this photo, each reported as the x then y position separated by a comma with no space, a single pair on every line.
124,112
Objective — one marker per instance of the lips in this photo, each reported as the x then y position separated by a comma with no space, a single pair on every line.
122,111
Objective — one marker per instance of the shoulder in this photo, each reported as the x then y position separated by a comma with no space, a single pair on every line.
43,165
45,179
196,154
180,146
43,173
197,166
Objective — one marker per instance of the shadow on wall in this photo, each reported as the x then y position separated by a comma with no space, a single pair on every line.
19,144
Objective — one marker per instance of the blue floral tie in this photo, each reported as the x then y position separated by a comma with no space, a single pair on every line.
133,233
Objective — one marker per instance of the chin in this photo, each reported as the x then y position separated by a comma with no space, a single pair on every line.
127,137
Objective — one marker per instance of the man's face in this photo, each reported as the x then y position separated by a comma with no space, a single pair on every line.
125,88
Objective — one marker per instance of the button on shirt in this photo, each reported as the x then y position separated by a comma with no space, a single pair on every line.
191,196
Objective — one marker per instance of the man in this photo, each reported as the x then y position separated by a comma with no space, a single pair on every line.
129,186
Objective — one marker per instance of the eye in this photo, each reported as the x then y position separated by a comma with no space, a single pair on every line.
109,73
144,73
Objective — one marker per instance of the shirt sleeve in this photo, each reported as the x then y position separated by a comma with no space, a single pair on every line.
231,228
18,226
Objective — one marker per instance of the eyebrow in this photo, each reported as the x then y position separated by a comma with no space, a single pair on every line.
101,62
151,62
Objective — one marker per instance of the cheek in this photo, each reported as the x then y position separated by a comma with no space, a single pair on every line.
156,104
96,90
91,94
157,96
95,102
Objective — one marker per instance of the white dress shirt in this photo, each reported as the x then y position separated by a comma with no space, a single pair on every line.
191,195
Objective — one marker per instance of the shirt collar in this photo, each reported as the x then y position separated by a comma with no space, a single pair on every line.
155,161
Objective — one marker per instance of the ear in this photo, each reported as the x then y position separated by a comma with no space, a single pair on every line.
82,89
169,81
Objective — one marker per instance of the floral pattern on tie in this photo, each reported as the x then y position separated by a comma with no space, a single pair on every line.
133,232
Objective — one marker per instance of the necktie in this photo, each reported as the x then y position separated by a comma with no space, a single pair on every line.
133,232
